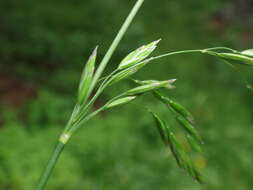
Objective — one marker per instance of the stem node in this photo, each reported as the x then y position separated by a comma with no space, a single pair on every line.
64,138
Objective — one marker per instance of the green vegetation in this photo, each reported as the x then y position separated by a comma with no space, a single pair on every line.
124,152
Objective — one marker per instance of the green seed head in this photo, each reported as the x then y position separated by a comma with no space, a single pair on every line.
237,58
193,171
177,150
160,127
86,78
169,139
244,57
174,106
181,110
194,144
151,86
138,55
120,101
189,128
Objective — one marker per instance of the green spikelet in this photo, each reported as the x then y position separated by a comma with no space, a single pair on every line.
86,78
160,127
120,101
176,107
189,128
194,144
243,58
181,110
182,158
168,138
178,150
138,55
151,86
237,58
193,172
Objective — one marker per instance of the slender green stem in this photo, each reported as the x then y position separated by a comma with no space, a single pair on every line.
91,115
114,44
166,55
221,48
59,148
50,166
176,52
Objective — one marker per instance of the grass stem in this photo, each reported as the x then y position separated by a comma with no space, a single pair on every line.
114,44
50,166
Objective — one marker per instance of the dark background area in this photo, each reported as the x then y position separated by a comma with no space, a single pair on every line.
44,45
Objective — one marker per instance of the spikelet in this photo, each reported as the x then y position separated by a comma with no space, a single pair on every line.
176,107
166,136
86,78
177,150
138,55
189,128
151,86
160,127
120,101
244,58
184,161
194,144
237,58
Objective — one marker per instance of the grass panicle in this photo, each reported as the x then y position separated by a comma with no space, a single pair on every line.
131,64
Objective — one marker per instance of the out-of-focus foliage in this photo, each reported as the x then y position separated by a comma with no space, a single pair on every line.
43,48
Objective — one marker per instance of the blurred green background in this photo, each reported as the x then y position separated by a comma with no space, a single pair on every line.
43,47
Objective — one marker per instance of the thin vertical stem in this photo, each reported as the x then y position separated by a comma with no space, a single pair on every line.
50,166
114,44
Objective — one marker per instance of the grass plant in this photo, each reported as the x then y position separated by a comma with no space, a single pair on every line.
92,82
